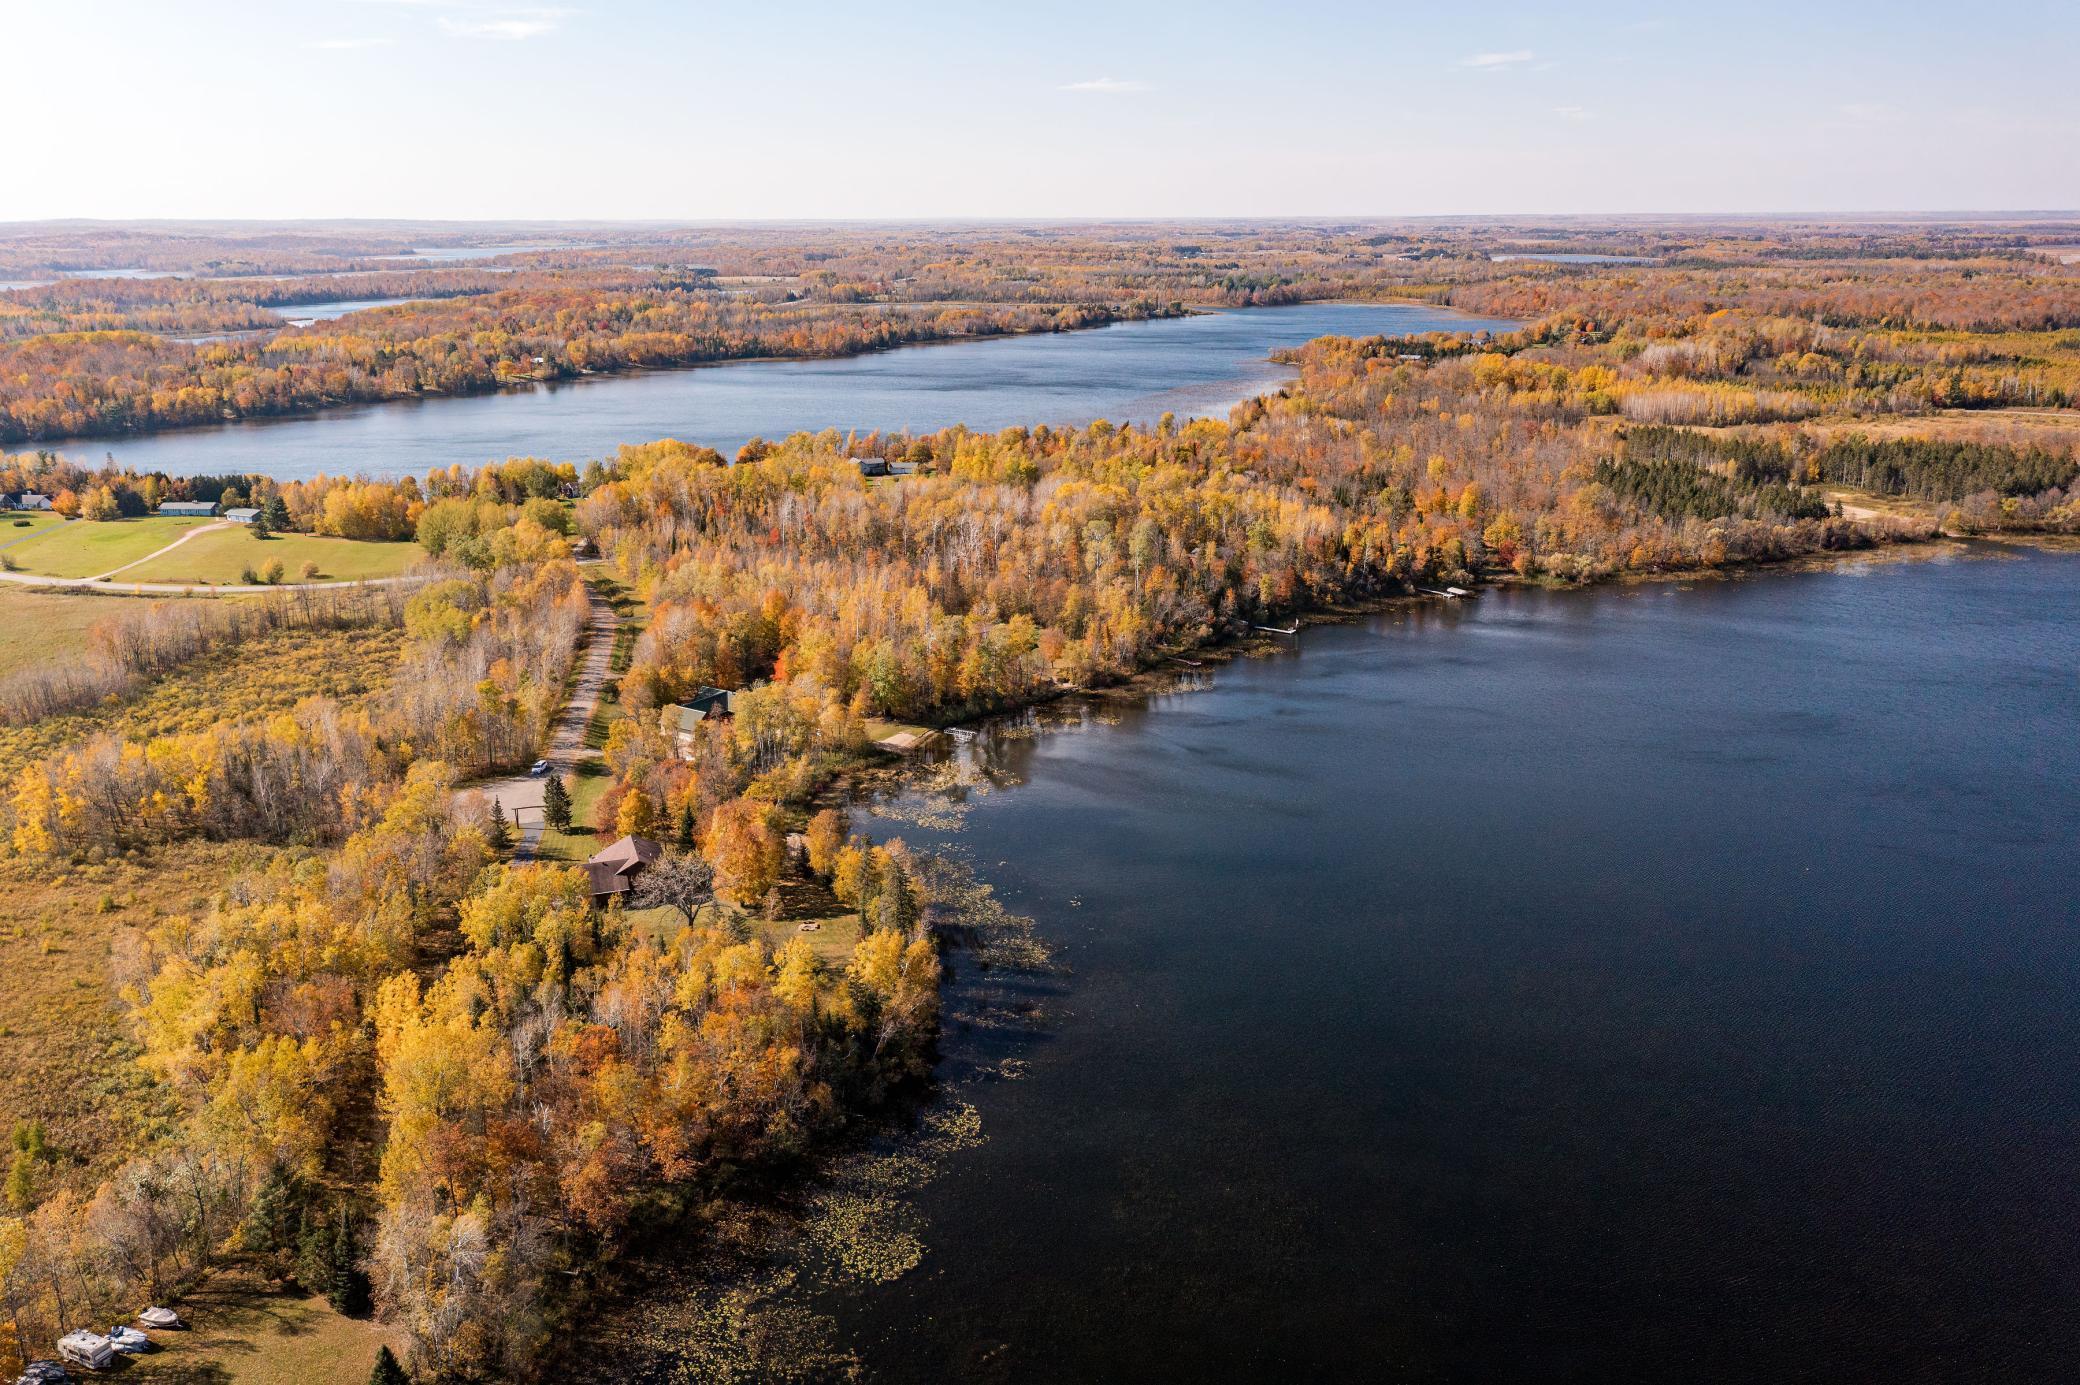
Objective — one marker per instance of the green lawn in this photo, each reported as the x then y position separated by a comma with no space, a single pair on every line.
223,555
15,526
39,627
87,548
587,780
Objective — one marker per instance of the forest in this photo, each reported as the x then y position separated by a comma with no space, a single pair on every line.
402,1068
1948,316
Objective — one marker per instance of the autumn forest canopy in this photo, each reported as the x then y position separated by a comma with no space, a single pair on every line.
396,1062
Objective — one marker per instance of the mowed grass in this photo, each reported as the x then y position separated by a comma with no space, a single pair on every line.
39,627
88,548
587,780
17,526
244,1329
223,555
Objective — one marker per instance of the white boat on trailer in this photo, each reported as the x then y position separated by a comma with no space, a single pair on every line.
159,1317
129,1341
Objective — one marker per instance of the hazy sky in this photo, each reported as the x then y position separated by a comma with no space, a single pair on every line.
611,108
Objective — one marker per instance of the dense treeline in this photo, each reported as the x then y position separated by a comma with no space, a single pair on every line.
2018,486
1941,468
100,383
482,677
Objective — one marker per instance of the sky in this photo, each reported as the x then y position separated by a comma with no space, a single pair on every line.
790,109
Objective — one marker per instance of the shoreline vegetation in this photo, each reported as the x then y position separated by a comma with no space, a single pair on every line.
390,1064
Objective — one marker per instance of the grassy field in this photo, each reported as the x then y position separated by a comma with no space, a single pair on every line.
222,556
269,674
243,1329
65,1055
17,526
37,626
85,548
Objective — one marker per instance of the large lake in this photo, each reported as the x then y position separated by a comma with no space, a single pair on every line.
1132,371
1646,984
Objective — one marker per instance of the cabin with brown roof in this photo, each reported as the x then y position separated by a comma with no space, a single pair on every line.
613,870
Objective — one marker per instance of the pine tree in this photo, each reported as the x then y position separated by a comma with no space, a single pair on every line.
501,834
387,1371
276,513
277,1211
348,1291
686,833
556,804
21,1181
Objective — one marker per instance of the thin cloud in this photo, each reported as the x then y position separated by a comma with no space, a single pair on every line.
1571,112
1509,59
1110,86
508,24
343,45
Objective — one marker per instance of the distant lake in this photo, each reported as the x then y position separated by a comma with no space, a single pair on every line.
1580,259
1131,371
450,253
1641,984
304,314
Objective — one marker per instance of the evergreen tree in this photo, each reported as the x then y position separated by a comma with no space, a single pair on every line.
387,1371
501,834
348,1290
686,832
276,513
556,804
277,1213
21,1181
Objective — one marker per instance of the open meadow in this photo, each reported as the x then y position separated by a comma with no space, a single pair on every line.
90,548
224,556
36,626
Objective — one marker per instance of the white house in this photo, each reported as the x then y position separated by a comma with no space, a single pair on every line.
30,500
242,516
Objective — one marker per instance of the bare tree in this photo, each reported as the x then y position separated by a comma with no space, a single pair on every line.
681,881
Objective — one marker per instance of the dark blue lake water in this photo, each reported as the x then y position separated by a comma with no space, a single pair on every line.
1128,372
1645,984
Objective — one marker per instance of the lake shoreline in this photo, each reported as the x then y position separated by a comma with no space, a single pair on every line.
762,1271
86,442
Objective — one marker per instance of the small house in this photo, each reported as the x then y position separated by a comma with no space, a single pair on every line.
32,501
245,515
612,871
189,509
682,720
872,466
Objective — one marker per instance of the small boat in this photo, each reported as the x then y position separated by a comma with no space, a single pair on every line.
1457,591
129,1341
87,1349
159,1317
1274,630
43,1373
